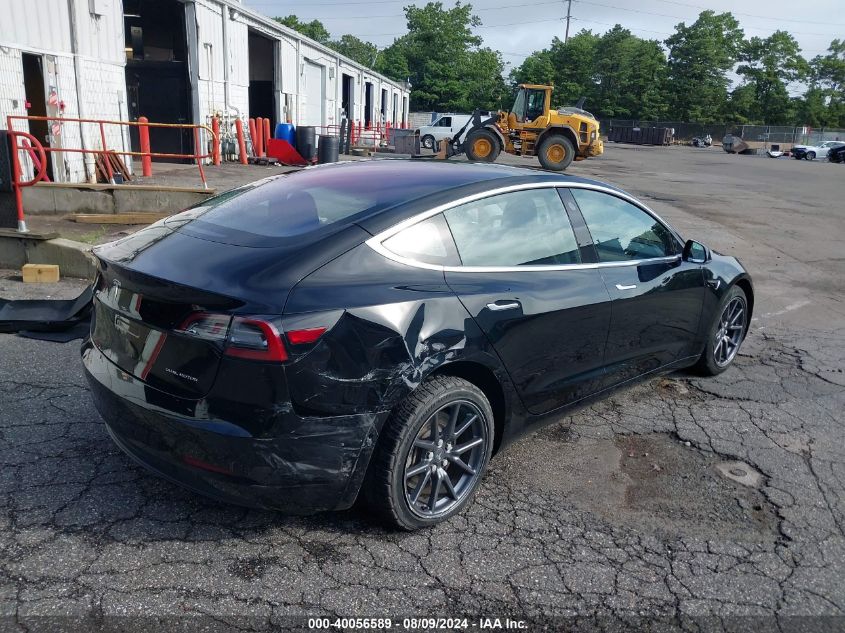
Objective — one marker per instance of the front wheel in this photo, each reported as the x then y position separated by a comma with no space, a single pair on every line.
725,334
811,156
555,152
482,145
427,141
432,454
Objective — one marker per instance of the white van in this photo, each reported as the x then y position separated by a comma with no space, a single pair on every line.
445,126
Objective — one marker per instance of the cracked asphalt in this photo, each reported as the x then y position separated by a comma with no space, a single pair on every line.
616,518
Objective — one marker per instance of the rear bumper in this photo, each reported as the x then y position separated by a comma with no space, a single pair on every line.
311,464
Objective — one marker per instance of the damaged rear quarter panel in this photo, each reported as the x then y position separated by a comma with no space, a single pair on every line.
399,324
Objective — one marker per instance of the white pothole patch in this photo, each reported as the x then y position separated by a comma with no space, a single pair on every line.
740,472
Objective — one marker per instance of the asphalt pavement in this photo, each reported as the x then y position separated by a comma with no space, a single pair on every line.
683,503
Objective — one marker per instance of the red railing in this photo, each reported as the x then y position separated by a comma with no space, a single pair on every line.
371,135
35,150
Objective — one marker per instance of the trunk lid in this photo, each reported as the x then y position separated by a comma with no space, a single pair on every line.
143,325
153,284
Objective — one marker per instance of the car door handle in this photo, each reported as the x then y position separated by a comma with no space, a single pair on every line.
623,287
498,306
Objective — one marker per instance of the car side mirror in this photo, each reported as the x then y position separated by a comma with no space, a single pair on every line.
696,252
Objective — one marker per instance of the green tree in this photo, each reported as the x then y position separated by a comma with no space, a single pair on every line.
811,109
768,65
393,60
630,76
363,52
700,56
827,86
575,63
620,74
741,105
444,60
537,68
486,88
314,29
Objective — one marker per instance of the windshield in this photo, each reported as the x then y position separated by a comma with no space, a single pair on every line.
519,105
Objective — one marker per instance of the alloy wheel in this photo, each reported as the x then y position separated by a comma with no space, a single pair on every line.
446,459
729,332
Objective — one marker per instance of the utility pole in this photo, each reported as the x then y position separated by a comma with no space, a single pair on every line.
568,16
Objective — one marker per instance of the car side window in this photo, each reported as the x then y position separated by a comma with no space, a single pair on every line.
446,121
622,231
514,229
428,241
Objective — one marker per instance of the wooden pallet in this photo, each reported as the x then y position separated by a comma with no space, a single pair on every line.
117,218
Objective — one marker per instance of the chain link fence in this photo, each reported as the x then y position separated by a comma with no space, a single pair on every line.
768,134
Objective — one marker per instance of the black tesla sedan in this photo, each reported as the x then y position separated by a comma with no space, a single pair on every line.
382,328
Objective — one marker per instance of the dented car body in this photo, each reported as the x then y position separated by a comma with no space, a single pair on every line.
258,363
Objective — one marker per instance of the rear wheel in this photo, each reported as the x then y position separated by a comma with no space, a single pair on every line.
725,334
482,145
811,156
428,141
432,454
555,152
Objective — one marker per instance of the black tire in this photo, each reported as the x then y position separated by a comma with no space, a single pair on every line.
427,141
710,364
482,145
811,156
555,152
385,488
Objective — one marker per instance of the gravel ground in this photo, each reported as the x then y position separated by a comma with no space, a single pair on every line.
615,518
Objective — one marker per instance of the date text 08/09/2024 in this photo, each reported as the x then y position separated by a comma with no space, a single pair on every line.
413,624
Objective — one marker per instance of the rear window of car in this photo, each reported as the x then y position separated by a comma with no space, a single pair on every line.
283,208
311,203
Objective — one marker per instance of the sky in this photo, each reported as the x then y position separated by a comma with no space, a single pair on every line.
518,27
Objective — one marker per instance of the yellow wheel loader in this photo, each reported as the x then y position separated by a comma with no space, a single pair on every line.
531,128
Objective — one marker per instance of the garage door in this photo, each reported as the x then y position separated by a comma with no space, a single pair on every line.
314,94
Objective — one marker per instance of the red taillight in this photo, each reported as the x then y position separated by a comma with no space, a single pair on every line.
305,337
205,325
252,338
255,339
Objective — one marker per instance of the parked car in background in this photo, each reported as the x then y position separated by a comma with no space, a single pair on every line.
445,126
836,154
382,328
811,152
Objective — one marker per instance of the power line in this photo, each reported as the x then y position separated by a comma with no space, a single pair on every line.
676,17
780,19
402,15
749,15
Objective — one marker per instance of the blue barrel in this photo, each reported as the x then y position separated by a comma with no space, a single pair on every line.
286,132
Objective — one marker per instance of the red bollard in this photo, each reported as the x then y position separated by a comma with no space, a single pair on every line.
267,135
144,141
239,130
253,136
259,133
215,141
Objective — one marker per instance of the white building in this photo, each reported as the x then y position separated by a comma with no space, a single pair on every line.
173,61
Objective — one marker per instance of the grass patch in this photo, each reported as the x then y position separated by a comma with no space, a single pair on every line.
93,236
